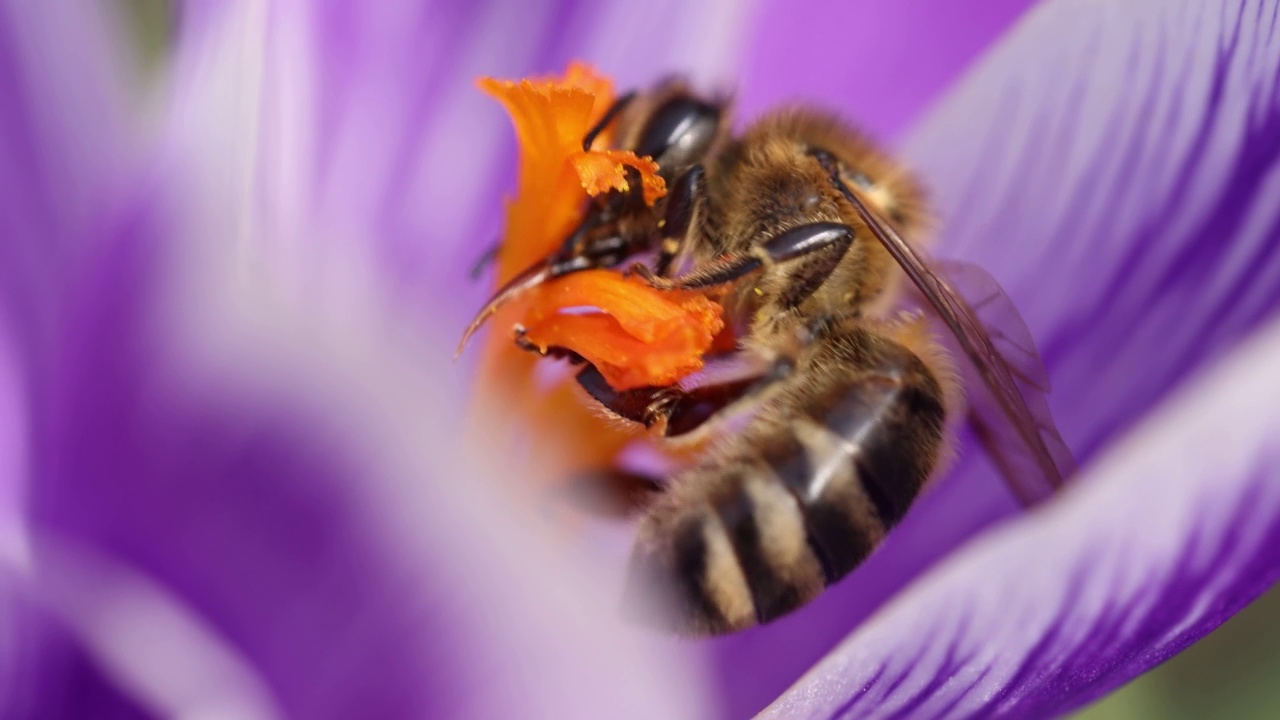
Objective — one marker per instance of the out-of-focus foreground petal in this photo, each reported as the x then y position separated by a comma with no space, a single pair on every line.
1115,167
287,475
1174,528
64,139
243,473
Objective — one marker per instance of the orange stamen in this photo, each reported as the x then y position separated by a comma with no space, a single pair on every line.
635,335
604,170
551,116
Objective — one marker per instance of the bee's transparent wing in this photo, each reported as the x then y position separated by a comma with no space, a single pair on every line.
1012,416
1009,337
1000,317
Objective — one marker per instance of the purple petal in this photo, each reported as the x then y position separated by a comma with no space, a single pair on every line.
63,137
1114,167
13,442
881,63
1132,205
1173,529
37,648
264,448
145,650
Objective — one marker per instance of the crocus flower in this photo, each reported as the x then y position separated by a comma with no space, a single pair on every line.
231,477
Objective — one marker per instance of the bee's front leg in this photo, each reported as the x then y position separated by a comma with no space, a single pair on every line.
798,242
685,203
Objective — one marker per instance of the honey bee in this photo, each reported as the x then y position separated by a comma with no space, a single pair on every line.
820,430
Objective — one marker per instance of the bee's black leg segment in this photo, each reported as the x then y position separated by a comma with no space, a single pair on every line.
555,352
823,249
714,273
807,239
671,411
796,243
571,243
688,193
617,107
610,492
630,405
605,251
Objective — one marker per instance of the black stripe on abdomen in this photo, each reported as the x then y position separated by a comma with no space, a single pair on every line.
891,429
857,461
771,593
837,539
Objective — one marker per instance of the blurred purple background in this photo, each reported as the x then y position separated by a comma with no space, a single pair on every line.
235,241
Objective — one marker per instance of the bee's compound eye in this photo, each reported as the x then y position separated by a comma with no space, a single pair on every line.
679,132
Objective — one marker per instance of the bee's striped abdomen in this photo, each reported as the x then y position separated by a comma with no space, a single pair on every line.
801,497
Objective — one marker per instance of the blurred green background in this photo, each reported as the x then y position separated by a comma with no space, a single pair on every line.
1229,674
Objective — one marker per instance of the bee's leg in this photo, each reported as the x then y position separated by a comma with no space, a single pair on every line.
674,411
610,492
663,410
590,220
617,107
686,200
798,242
574,243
